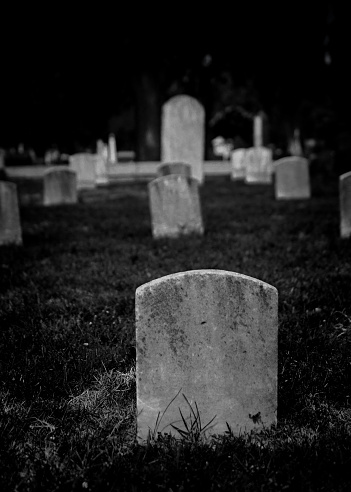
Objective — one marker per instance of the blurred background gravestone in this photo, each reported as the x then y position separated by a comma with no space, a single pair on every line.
183,133
60,186
238,164
292,178
10,224
84,164
345,204
258,165
175,206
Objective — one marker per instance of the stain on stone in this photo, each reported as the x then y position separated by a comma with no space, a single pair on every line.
256,418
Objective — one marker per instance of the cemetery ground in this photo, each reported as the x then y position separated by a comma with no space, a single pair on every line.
67,342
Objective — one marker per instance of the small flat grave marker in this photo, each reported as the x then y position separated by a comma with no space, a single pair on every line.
238,164
345,204
174,168
175,206
292,178
258,165
183,133
60,186
10,224
210,335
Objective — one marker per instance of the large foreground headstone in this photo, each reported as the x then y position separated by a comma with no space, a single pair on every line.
10,224
60,186
258,165
84,164
174,168
345,204
210,335
292,178
175,206
183,133
238,164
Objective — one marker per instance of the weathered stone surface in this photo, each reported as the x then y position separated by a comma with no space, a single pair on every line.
60,186
258,165
84,164
345,204
175,206
212,336
183,133
174,168
238,164
10,224
292,178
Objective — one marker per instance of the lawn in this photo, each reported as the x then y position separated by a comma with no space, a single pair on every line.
67,342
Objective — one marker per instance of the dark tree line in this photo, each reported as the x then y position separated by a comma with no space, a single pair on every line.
71,80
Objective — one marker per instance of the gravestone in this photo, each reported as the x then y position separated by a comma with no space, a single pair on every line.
258,130
100,169
112,149
60,186
10,224
345,204
295,147
174,168
84,165
258,165
175,206
292,178
183,133
238,164
211,335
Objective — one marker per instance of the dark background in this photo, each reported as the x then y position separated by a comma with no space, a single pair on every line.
69,78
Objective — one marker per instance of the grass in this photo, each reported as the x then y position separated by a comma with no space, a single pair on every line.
67,343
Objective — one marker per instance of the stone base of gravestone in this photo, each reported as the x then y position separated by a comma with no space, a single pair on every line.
175,206
174,168
238,170
60,186
292,178
345,204
183,133
258,165
10,224
210,335
84,165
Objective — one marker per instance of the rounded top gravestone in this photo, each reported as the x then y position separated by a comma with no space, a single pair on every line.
206,338
183,133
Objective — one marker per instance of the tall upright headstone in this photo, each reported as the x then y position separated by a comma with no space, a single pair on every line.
10,223
175,206
295,147
238,164
212,336
345,204
292,178
60,186
183,133
174,168
258,165
85,166
258,130
112,149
